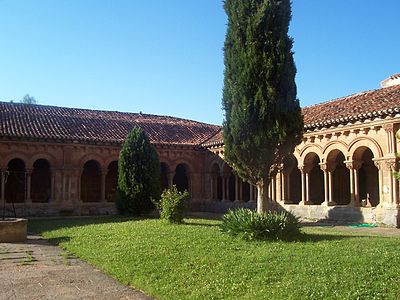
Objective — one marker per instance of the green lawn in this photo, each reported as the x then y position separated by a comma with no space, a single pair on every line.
196,261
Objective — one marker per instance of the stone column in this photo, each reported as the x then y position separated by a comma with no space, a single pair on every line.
103,175
283,187
223,188
350,166
28,175
303,185
3,183
237,187
52,184
240,190
324,168
170,177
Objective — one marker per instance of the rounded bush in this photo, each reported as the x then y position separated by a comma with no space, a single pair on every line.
251,225
172,205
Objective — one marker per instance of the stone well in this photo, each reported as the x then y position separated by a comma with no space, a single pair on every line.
13,230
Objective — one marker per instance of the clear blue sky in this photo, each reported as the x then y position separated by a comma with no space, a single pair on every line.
165,57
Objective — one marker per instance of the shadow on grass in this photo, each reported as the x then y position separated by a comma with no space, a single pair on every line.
190,223
38,226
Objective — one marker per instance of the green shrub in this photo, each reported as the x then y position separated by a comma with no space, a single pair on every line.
172,205
138,174
251,225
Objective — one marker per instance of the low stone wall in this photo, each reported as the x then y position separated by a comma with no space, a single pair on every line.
13,230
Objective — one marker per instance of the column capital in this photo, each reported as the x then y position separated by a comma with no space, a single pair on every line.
353,164
305,169
389,164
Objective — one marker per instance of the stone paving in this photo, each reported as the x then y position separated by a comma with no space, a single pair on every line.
38,270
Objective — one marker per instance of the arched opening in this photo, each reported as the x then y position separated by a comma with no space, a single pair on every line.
181,178
111,181
91,182
15,187
340,178
216,182
368,177
41,181
164,172
292,186
316,179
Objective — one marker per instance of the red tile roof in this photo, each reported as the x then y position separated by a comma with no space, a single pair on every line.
370,104
93,126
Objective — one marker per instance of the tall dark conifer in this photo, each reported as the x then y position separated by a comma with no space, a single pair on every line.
138,174
263,121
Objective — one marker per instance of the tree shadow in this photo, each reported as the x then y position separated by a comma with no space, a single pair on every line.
38,226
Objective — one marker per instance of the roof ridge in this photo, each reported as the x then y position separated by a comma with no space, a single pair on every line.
107,112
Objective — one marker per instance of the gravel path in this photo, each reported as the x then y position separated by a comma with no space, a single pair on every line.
38,270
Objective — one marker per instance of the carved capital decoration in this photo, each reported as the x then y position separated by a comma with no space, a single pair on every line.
386,164
353,164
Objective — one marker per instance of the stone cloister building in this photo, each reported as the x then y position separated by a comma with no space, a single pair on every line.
56,160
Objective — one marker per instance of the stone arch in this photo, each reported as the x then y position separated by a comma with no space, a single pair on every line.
15,155
340,176
15,186
315,178
111,181
41,180
91,181
94,157
315,149
371,144
368,176
333,146
48,157
182,177
165,172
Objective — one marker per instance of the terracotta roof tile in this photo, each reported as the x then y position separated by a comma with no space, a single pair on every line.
91,126
376,103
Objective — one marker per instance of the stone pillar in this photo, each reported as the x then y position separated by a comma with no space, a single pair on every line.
240,190
3,182
353,182
223,188
28,175
251,199
330,187
52,185
324,168
273,189
283,187
170,177
103,175
237,188
303,185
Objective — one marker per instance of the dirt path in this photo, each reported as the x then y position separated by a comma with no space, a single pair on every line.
38,270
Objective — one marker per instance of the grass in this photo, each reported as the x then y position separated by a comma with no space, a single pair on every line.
196,261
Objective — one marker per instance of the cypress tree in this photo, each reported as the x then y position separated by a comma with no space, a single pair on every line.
263,121
138,174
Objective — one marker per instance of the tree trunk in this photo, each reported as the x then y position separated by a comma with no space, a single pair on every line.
261,203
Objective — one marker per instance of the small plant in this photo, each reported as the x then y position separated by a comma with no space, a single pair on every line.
172,205
251,225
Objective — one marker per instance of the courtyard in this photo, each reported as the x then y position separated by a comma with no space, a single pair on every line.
195,261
